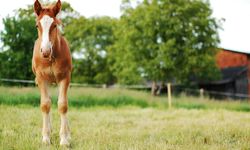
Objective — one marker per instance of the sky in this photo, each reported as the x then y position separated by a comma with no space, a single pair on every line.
234,36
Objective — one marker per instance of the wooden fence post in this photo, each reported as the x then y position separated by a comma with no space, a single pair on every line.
169,96
104,86
201,93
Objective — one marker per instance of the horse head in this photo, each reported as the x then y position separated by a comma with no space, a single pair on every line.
47,26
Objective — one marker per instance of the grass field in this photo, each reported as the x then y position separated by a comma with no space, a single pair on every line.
124,119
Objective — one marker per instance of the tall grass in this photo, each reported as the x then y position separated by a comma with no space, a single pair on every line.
90,97
78,97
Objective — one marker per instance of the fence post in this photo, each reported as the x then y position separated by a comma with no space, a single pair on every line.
169,96
104,86
201,93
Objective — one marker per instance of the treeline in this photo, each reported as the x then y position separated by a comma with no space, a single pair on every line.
158,40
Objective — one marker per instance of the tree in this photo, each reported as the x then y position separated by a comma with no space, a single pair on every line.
18,39
158,40
163,40
91,44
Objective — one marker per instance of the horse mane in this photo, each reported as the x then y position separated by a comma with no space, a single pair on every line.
49,6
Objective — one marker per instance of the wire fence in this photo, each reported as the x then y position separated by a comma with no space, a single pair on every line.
213,94
175,89
31,82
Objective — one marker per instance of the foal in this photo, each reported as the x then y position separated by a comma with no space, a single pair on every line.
51,63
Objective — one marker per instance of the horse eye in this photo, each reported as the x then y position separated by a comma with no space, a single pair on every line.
36,26
55,26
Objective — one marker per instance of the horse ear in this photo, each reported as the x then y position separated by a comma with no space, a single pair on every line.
57,7
37,7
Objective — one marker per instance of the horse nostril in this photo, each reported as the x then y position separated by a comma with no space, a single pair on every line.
41,49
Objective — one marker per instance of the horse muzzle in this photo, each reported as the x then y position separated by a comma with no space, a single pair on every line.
46,53
46,50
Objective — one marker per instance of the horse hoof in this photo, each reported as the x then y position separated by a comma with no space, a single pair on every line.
46,140
64,142
69,137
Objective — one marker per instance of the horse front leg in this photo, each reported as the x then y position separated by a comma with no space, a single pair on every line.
45,105
63,108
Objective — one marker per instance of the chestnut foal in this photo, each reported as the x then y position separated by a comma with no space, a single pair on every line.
51,63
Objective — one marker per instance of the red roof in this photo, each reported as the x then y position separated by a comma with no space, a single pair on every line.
227,58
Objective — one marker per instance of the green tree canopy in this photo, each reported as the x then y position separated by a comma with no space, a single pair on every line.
18,39
166,39
90,39
157,40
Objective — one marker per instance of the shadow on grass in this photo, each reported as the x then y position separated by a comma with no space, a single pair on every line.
243,106
83,101
90,101
190,106
33,99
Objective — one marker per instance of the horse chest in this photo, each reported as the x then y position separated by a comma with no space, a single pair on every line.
46,73
49,73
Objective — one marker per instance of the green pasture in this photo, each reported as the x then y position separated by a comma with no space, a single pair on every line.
124,119
92,97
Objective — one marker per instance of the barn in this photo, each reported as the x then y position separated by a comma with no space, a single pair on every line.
235,71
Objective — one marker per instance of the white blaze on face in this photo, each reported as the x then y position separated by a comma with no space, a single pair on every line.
46,22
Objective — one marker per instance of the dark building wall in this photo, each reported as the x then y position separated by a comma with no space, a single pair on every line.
248,73
230,59
241,84
235,68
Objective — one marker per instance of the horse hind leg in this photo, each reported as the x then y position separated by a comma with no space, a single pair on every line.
63,108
